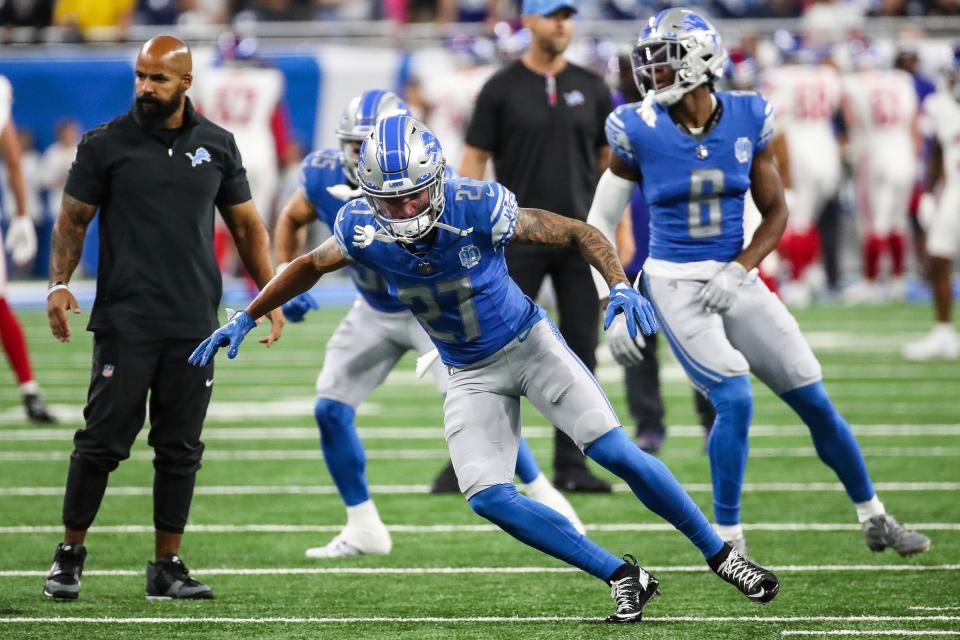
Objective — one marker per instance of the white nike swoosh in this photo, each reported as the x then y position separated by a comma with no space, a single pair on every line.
758,594
209,383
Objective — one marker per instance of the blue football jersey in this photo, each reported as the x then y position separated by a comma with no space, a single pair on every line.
318,172
458,287
694,184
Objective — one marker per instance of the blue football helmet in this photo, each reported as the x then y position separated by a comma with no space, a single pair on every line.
358,119
678,51
400,157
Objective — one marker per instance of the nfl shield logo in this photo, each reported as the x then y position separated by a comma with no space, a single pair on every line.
743,150
469,256
108,371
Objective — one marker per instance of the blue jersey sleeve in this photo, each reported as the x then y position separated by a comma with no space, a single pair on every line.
343,229
314,171
763,112
617,137
491,208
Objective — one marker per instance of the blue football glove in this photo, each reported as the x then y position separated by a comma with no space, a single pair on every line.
637,310
294,310
231,334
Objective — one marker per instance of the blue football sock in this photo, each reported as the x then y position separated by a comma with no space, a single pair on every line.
544,529
832,438
656,487
727,446
342,450
527,467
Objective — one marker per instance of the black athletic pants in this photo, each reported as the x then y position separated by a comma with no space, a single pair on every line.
577,306
126,367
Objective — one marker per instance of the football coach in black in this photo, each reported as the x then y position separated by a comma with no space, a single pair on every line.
156,175
540,119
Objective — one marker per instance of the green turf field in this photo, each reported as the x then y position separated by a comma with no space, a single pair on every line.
264,495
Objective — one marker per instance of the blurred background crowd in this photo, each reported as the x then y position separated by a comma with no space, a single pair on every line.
849,91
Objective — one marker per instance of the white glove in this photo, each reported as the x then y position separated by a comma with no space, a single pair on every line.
21,240
720,292
624,349
343,192
426,361
926,210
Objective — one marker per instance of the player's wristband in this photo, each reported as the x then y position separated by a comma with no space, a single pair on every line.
56,286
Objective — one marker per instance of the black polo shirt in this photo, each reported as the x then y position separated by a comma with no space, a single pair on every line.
157,191
545,153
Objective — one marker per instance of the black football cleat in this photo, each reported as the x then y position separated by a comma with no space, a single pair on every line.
755,582
580,480
168,578
37,411
632,593
446,481
63,581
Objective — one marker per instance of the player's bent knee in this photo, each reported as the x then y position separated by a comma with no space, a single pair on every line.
733,399
490,503
333,418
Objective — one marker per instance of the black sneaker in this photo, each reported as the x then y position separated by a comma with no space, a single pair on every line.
632,593
169,578
580,480
755,582
446,481
63,581
37,411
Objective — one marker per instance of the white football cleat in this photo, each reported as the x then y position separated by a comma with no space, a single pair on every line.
864,292
546,494
796,294
941,342
354,541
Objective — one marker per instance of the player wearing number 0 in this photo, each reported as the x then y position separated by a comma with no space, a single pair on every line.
697,153
439,244
369,341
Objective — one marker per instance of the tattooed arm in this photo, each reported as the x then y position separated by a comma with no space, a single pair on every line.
299,276
536,226
66,247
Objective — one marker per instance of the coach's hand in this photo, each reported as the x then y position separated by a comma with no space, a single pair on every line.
636,309
626,350
231,334
720,291
294,310
58,303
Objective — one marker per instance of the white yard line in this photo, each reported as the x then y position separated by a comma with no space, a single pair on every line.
379,571
948,608
380,453
435,432
460,528
467,619
695,487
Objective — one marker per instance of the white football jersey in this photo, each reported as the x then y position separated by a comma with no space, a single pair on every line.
804,96
6,102
450,98
242,100
941,119
883,109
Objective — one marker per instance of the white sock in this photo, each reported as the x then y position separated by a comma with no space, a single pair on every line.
364,515
728,532
537,486
29,388
944,328
870,508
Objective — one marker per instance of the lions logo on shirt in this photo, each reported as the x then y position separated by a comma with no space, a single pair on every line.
199,156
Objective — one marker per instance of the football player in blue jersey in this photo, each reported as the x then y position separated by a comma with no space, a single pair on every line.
369,341
697,151
439,245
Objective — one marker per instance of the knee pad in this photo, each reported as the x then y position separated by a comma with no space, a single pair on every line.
492,501
333,417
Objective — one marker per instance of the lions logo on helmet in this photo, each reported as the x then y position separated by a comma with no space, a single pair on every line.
402,157
678,51
358,120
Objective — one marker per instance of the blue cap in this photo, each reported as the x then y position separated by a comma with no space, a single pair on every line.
546,7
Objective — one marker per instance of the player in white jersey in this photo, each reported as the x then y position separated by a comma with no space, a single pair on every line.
245,96
21,241
880,108
941,215
805,98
